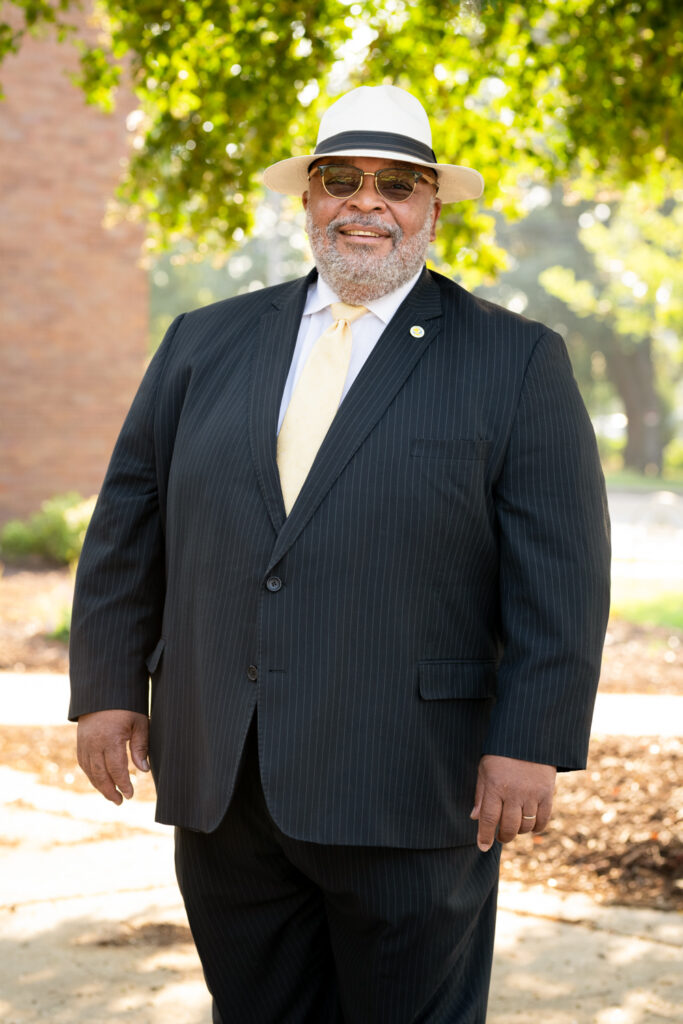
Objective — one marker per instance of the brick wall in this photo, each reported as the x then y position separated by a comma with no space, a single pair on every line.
73,299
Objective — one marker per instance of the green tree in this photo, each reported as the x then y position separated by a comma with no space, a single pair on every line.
606,276
633,299
523,90
276,249
587,92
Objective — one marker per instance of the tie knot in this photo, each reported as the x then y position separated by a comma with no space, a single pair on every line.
343,311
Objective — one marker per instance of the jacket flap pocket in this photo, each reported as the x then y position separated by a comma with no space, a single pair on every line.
152,660
449,448
464,680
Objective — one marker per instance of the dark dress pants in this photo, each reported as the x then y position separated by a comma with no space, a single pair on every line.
291,932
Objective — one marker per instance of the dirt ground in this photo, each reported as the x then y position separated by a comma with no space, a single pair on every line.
31,604
617,829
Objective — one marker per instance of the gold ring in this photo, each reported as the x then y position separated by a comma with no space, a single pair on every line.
528,817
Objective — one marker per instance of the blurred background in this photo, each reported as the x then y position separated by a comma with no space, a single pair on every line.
133,137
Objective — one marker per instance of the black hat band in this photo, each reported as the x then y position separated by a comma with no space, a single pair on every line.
389,141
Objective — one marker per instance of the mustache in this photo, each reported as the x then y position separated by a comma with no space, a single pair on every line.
371,221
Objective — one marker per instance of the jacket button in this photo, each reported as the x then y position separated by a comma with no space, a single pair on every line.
252,673
273,583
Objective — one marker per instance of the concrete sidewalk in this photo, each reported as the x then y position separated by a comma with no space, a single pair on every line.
93,930
92,927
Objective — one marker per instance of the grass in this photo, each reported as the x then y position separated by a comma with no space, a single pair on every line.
666,611
627,480
648,603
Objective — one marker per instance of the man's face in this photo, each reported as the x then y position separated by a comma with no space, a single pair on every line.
366,246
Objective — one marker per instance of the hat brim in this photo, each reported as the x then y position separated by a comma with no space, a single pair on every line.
290,177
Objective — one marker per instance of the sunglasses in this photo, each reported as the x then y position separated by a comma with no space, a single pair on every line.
395,184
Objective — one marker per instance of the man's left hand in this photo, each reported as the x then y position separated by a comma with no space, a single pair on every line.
513,797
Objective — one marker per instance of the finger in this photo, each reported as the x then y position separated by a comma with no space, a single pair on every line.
489,816
92,763
139,743
543,813
528,822
510,821
478,795
116,763
96,770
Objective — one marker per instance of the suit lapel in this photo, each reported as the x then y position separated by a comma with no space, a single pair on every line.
273,349
382,376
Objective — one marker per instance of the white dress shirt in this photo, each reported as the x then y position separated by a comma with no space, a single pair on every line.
366,331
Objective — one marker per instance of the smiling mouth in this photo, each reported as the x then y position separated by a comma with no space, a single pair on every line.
359,233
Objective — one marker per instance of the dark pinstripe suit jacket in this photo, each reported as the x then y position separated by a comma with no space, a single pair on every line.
438,591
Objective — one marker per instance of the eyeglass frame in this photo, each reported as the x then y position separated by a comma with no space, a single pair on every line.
409,170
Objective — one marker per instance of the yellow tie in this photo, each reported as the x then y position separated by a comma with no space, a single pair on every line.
315,401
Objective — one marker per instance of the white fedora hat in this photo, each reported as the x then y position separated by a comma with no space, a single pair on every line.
376,121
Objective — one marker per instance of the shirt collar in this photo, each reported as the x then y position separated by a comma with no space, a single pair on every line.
320,296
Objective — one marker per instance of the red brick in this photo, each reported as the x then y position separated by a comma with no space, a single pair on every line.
74,300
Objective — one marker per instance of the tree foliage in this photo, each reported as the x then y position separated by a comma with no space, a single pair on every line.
523,91
629,288
606,276
22,17
638,252
586,93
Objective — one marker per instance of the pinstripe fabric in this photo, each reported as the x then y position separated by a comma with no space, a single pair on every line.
438,590
299,933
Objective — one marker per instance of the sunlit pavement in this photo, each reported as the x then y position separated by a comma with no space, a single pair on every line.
647,537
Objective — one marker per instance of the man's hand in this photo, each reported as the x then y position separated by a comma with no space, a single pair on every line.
102,750
512,796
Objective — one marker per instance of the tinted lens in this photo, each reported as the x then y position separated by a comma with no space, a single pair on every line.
341,181
395,185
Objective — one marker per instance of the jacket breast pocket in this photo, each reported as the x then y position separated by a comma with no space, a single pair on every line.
457,680
455,448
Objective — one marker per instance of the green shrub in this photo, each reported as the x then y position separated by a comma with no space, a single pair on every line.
62,626
611,452
54,534
673,455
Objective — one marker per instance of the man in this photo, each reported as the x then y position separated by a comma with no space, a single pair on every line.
362,552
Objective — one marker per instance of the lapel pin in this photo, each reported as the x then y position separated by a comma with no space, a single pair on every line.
417,331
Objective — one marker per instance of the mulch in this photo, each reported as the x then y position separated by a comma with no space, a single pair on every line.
617,829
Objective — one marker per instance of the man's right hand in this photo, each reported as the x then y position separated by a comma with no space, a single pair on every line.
103,738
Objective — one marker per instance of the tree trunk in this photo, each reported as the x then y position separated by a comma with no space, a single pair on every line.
632,373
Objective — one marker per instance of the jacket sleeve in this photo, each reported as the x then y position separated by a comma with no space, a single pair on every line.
554,569
120,581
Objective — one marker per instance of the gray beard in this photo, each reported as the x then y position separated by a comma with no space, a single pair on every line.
360,276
